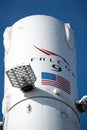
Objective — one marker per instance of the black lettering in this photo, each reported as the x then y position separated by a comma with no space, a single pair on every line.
42,59
51,60
56,68
32,59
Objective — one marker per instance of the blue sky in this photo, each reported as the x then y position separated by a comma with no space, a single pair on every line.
72,11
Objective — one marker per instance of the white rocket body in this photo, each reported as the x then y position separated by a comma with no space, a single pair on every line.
47,45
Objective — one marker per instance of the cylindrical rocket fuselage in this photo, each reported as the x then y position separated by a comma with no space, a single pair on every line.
47,45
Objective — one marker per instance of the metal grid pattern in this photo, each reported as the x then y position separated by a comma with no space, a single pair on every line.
21,76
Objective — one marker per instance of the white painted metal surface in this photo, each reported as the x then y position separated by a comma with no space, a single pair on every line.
47,44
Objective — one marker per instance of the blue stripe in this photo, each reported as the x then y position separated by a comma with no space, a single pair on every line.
48,76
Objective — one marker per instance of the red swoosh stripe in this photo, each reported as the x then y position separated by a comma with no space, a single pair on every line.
51,53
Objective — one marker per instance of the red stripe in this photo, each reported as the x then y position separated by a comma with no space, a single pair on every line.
62,87
51,53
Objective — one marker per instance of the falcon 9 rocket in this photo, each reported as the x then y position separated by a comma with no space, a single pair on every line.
40,86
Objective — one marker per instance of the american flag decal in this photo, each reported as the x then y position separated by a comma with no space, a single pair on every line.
56,81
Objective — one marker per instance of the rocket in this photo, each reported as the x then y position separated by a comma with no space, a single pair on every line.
40,85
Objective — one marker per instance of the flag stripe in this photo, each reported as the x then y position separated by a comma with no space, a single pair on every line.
58,81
